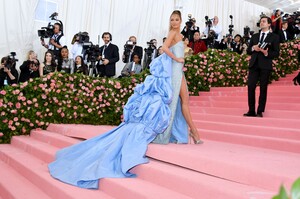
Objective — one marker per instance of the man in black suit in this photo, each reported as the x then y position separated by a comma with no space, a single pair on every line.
106,65
131,49
284,34
260,65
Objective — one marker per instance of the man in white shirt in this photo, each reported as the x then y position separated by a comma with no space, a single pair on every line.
216,27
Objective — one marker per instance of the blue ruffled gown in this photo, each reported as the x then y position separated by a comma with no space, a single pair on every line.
147,114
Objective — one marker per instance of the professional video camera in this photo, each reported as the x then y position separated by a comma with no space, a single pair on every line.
190,21
92,52
11,60
82,37
231,25
127,49
48,31
150,53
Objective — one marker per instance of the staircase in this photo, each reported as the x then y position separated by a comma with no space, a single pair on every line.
241,157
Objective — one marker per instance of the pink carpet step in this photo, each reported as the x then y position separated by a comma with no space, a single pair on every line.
126,188
251,140
13,185
239,119
269,106
280,114
262,168
273,99
220,159
164,172
36,170
248,129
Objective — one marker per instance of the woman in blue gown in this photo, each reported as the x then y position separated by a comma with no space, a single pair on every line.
155,112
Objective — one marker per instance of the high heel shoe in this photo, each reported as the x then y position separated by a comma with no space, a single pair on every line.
192,136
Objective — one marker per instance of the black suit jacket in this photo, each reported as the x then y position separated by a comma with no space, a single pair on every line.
282,38
112,54
258,59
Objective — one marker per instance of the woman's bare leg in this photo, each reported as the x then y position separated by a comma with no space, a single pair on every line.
184,96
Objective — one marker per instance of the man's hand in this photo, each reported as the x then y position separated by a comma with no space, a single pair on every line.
105,61
256,48
265,52
6,70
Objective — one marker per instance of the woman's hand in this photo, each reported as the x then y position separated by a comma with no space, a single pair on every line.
179,59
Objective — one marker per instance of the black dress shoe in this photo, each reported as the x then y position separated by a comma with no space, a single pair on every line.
259,115
250,114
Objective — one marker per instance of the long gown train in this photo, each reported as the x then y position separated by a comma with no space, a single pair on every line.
147,113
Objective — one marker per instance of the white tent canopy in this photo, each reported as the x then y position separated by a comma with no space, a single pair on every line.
146,19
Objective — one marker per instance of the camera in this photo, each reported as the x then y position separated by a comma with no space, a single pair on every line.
81,37
127,49
91,51
150,53
208,22
47,32
11,60
190,21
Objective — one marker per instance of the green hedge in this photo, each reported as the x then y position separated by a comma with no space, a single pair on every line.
79,99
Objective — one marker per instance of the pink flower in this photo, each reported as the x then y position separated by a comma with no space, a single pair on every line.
3,92
90,110
44,96
18,105
16,119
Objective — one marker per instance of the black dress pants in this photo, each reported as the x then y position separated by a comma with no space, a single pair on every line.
255,75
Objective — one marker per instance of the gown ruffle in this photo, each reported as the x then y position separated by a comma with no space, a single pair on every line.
114,153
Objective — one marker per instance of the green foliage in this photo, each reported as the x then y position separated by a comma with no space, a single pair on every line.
79,99
295,191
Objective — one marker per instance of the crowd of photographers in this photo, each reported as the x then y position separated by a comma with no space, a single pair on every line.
93,60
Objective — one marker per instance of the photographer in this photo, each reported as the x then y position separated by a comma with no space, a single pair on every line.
109,57
8,71
150,53
77,44
190,28
131,48
57,40
213,26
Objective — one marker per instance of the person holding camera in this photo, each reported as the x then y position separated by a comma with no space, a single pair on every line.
213,27
130,48
106,65
57,40
150,53
284,34
263,48
8,72
190,28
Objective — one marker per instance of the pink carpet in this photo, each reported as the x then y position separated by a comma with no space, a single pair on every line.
241,157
